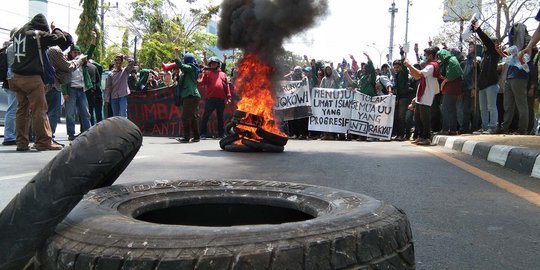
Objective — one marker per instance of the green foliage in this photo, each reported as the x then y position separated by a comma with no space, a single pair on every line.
87,24
154,51
163,30
125,39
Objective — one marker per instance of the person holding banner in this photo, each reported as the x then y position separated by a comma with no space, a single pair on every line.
425,94
365,82
330,80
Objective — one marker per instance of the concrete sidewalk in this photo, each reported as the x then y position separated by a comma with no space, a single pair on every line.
516,152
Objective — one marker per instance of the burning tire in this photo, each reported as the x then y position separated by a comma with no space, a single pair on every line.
248,128
235,224
271,137
228,140
95,159
262,146
240,148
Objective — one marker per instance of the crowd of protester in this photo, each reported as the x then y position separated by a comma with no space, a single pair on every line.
490,89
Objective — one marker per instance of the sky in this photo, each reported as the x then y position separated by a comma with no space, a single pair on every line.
350,27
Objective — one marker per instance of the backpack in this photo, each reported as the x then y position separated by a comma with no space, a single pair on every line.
3,65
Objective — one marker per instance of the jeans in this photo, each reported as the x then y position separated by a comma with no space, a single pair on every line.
95,105
119,106
488,107
464,112
11,111
77,102
449,112
210,105
54,107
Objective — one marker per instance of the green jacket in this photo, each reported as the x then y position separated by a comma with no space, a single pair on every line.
188,80
401,81
366,84
87,80
449,65
100,72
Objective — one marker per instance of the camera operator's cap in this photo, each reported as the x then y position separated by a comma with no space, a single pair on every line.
75,48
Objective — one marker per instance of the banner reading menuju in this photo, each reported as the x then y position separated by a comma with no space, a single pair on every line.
294,101
373,116
331,110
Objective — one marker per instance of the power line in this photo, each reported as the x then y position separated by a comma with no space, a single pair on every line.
64,5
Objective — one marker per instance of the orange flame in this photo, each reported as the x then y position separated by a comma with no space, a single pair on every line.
253,80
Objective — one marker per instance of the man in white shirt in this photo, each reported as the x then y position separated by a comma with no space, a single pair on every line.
428,87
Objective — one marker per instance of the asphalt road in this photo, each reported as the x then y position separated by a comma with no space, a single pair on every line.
459,220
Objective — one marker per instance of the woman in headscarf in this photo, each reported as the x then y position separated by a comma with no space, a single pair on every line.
190,97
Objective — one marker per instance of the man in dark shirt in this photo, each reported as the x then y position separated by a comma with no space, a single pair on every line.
30,44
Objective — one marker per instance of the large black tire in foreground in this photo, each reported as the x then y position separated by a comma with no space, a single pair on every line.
95,159
230,224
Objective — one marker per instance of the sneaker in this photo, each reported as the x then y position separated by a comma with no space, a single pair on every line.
51,147
9,142
182,140
489,132
203,137
194,140
478,132
72,137
423,142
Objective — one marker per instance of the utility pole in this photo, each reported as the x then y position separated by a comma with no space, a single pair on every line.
393,10
102,17
406,46
135,51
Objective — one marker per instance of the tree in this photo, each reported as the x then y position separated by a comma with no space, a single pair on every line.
497,18
161,29
87,24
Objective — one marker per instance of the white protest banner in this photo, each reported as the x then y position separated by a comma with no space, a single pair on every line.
331,110
294,101
373,116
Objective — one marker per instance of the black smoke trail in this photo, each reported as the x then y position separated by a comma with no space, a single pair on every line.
260,26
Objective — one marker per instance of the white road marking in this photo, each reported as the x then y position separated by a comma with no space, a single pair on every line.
140,157
15,176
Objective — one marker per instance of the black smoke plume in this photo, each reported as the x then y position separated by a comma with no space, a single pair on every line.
261,26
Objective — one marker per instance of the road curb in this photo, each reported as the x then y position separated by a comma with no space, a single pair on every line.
520,159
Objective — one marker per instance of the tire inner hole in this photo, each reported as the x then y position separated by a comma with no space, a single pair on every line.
223,215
